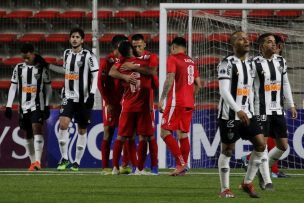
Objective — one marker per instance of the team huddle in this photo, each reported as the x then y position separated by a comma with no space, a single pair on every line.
253,91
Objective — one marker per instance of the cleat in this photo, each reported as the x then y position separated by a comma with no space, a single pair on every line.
75,166
32,167
115,171
261,180
244,162
106,171
37,166
269,187
248,188
145,173
63,165
226,194
281,174
125,170
274,175
154,171
135,172
179,171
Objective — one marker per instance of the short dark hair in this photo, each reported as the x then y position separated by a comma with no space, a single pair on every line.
137,37
27,48
262,37
179,41
79,30
124,48
117,39
232,37
278,38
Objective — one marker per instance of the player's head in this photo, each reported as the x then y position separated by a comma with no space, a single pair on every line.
240,43
126,49
267,44
27,53
76,37
117,39
280,44
178,45
138,42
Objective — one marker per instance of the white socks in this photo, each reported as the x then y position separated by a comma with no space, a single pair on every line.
264,168
253,166
224,171
274,155
63,140
30,149
80,147
38,145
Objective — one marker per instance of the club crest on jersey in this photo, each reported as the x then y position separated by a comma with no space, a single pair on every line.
79,63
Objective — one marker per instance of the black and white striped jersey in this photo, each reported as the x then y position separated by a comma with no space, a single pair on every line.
271,86
235,83
81,71
31,82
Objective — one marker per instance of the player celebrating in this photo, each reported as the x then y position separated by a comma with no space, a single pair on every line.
32,79
111,91
135,115
182,76
271,88
235,74
80,85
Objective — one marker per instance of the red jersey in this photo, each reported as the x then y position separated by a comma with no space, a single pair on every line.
182,91
110,88
136,98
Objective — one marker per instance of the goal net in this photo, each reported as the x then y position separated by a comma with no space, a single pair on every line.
207,29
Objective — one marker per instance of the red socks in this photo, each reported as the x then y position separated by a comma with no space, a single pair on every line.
185,148
132,152
142,154
125,158
175,150
117,152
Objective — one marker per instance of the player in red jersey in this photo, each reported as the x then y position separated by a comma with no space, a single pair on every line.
111,91
135,115
181,83
139,45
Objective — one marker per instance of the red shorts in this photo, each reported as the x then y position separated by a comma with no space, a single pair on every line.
177,118
111,118
139,122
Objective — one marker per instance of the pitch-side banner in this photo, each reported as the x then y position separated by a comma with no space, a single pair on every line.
205,143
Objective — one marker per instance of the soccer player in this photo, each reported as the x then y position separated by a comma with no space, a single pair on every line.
136,112
179,87
32,80
80,85
111,91
139,45
271,88
236,75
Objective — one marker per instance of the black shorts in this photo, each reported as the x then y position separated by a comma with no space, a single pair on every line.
76,110
273,125
232,130
27,119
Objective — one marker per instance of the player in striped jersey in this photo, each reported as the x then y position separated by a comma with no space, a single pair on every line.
32,80
272,87
80,84
236,75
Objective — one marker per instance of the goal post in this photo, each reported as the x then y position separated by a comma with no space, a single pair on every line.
208,20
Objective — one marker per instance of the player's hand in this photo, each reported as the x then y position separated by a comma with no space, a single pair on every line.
294,113
243,117
8,113
46,112
90,101
160,106
130,79
128,66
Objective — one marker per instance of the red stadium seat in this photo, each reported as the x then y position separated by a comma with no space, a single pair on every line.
57,38
177,13
46,14
101,14
147,36
289,13
51,60
253,36
207,60
219,37
282,35
19,14
57,84
72,14
2,13
107,37
209,12
261,13
12,61
7,37
32,38
214,84
196,37
127,14
150,14
88,37
170,37
59,62
5,84
232,13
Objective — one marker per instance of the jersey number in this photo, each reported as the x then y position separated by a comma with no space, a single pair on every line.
190,71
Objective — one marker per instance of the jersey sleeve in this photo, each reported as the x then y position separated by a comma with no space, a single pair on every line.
153,60
14,78
196,72
46,75
224,70
102,76
93,63
171,65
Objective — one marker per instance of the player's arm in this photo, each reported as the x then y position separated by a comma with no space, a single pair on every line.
197,81
11,94
104,91
145,70
116,74
167,86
